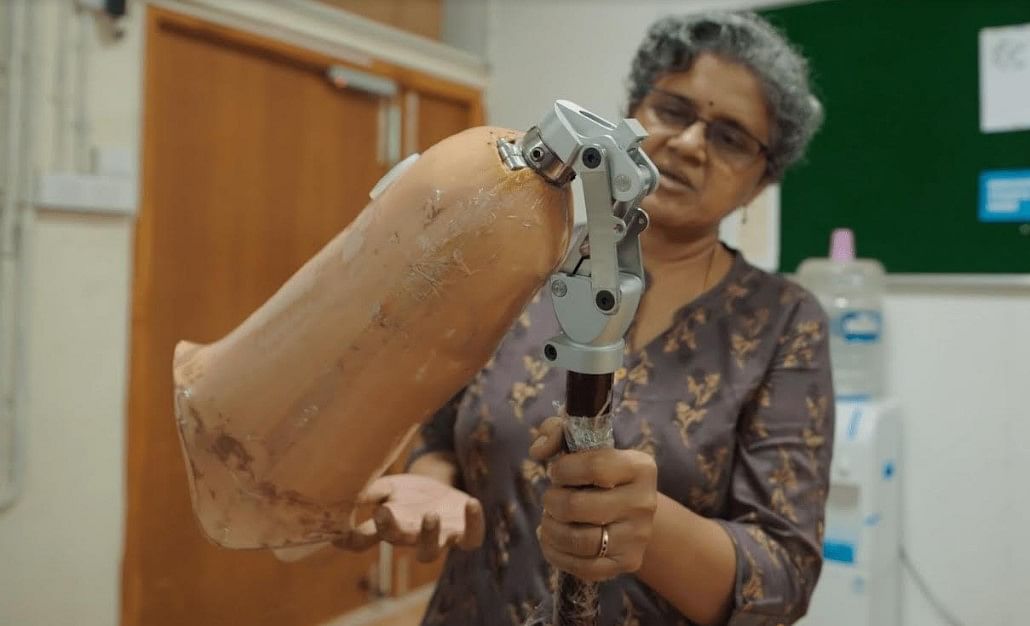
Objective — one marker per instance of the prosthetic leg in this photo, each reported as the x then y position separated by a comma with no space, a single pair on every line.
289,417
284,421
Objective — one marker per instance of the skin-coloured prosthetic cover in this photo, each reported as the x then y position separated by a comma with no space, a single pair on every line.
285,420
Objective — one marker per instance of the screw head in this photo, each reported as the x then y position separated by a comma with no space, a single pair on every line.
591,157
605,300
559,288
644,219
550,352
536,154
622,182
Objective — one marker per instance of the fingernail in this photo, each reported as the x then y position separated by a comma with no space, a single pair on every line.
539,441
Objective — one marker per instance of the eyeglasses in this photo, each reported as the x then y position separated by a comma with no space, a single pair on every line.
727,140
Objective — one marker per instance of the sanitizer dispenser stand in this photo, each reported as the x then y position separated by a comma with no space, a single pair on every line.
860,583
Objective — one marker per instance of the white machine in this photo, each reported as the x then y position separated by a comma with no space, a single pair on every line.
861,578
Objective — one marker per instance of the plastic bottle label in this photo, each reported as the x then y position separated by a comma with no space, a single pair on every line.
858,326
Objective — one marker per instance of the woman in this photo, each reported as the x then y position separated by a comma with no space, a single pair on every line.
710,508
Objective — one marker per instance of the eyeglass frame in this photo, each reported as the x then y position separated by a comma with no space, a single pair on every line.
763,149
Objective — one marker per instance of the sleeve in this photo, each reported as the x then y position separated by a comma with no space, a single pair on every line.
437,433
780,477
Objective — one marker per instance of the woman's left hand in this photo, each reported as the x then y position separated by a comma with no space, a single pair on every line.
592,492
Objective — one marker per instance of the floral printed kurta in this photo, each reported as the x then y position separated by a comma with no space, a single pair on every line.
735,403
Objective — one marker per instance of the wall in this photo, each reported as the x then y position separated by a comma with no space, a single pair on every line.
958,363
464,25
957,354
60,543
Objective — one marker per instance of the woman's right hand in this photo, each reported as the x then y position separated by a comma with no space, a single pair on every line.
415,510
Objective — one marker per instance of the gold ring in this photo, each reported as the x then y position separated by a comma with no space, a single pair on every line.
603,550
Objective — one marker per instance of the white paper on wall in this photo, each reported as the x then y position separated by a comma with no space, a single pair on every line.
1005,78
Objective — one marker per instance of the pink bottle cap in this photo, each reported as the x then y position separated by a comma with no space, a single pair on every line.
842,245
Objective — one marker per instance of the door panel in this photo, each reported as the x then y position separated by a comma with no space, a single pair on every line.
252,163
440,117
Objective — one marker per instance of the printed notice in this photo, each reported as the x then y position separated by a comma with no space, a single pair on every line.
1005,78
1005,196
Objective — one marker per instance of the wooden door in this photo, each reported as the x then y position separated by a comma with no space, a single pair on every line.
440,116
252,162
432,115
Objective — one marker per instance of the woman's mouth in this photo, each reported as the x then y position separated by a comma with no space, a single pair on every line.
676,184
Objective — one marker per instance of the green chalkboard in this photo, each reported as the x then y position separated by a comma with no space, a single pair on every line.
900,155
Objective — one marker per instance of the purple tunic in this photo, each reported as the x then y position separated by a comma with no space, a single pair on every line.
734,400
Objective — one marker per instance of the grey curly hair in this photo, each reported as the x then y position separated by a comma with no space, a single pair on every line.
673,43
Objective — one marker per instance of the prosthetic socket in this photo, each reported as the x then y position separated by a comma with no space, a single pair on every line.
287,419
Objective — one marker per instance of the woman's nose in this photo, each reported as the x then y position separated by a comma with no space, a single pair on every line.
691,141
